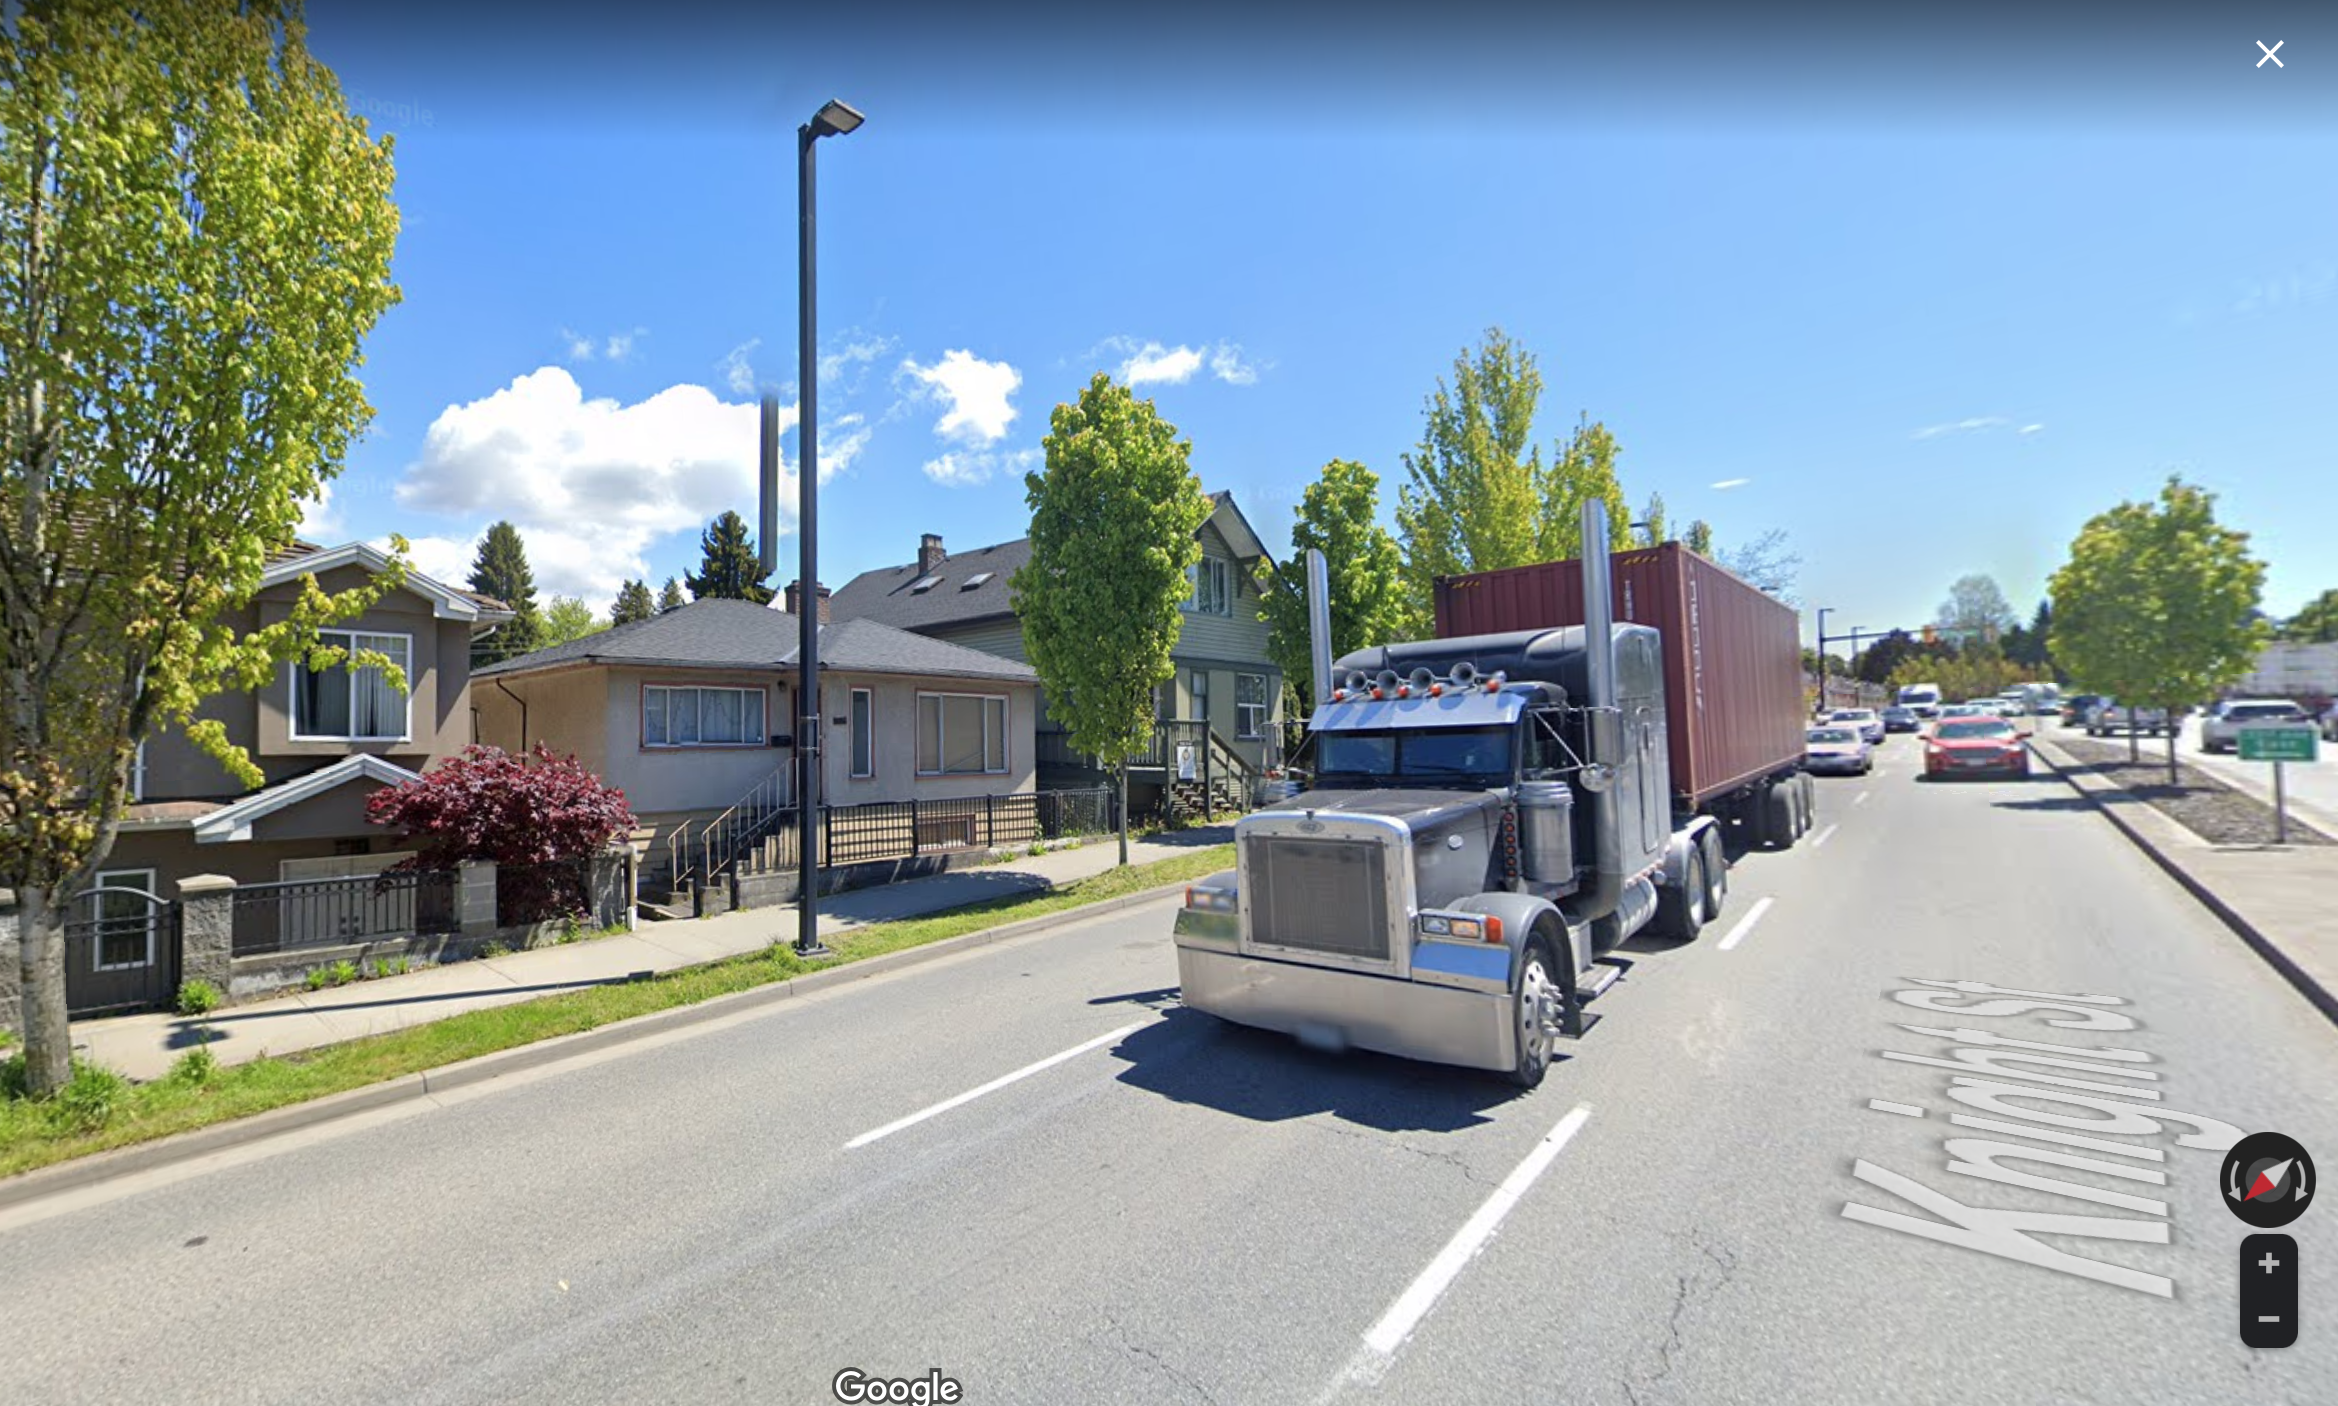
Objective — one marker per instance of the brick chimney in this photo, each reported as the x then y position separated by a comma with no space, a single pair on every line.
930,553
794,597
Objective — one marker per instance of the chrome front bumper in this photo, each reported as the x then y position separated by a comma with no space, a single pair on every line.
1412,1019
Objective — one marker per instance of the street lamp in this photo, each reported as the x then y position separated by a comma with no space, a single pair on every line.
834,119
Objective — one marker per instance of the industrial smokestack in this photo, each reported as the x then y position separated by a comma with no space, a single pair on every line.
1319,624
768,516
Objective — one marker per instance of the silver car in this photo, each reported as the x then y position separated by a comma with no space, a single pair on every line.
2220,730
1839,748
1867,720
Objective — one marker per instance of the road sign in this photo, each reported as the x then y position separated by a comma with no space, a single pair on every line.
2277,742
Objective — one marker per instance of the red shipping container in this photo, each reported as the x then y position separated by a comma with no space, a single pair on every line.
1732,654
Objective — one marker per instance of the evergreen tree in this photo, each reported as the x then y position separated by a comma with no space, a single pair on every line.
671,597
501,570
728,569
633,603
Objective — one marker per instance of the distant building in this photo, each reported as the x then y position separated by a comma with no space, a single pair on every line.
2288,670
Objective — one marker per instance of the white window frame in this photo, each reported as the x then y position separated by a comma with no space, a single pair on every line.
97,946
863,715
760,736
1244,728
138,771
941,730
1209,587
299,666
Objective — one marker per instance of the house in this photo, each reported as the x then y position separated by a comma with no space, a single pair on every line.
323,741
1221,712
691,713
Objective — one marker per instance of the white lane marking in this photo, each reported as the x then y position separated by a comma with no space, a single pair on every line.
1824,836
1745,925
1860,799
1405,1314
1882,1107
993,1086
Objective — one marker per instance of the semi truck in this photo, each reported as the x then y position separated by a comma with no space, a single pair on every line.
1492,812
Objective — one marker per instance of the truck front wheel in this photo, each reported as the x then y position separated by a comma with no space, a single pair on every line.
1534,1008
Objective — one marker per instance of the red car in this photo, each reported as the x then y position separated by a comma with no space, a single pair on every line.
1974,747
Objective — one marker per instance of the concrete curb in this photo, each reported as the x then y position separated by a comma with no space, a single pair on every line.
218,1137
2322,998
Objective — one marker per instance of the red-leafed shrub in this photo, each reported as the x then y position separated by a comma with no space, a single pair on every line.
540,818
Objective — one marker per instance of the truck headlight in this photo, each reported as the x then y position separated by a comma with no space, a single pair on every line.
1460,927
1211,900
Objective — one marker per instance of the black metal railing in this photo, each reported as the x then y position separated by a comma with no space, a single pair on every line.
330,912
884,830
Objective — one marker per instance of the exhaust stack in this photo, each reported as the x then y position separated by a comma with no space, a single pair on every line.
1319,624
1603,727
1599,630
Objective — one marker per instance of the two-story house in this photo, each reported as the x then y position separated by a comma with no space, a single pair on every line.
1221,711
323,739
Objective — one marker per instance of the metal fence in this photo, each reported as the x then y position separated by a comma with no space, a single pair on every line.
907,829
330,912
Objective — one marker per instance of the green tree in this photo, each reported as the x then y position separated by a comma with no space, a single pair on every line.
1699,538
1468,502
729,568
2316,624
633,603
1582,472
1654,527
1975,609
199,236
671,597
1113,524
2154,605
1766,562
1338,515
568,618
500,569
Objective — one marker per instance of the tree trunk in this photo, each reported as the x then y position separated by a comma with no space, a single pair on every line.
2173,729
1124,810
2134,746
48,1045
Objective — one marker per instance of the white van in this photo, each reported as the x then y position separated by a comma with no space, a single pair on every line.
1922,699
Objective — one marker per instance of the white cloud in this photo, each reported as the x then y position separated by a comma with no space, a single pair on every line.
446,560
2031,429
319,522
1154,363
1983,422
1227,365
579,348
616,347
855,351
737,373
966,470
978,394
592,483
620,346
1733,483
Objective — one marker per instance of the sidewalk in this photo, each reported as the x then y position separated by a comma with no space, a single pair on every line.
2281,900
145,1046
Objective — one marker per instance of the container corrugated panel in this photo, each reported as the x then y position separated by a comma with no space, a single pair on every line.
1732,654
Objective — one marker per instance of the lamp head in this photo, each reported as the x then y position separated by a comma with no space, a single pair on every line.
835,119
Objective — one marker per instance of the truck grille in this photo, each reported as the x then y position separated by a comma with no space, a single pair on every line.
1319,895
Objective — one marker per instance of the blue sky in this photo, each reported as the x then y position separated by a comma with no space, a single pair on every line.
1928,299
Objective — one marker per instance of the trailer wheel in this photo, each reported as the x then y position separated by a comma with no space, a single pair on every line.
1778,827
1681,913
1716,873
1535,1006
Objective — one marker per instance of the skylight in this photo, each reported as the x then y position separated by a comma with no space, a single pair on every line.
976,579
923,584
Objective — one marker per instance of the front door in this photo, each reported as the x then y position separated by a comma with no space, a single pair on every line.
121,946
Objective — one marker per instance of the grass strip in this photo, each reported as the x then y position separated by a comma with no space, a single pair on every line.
101,1110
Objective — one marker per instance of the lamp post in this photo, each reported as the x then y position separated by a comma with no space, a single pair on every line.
834,119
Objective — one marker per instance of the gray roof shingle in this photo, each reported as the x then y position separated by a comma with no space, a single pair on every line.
883,595
737,634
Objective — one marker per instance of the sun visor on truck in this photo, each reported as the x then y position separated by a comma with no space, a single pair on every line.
1475,708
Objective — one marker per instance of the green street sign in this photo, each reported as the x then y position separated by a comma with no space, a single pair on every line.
2278,742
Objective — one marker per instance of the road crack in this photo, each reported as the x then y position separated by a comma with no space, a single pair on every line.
1433,1154
1705,1278
1159,1363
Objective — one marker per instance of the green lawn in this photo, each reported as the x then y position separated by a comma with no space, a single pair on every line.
100,1110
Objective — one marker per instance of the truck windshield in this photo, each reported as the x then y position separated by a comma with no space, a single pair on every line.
1421,752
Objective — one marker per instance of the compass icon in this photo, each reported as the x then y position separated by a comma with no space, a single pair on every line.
2268,1180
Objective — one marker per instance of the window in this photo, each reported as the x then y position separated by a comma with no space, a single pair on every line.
975,580
1198,684
864,743
701,717
340,706
125,920
961,734
923,584
1211,594
1250,705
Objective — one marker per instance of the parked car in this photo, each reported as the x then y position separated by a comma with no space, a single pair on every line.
1839,748
2079,708
1867,720
2114,720
2220,730
1975,746
1899,719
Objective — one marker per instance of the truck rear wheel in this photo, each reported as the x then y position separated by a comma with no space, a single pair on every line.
1779,829
1534,1008
1682,911
1716,872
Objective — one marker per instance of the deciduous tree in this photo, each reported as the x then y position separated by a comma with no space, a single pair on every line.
1975,609
198,238
521,813
2316,624
1338,515
500,569
1113,523
2154,605
568,618
729,567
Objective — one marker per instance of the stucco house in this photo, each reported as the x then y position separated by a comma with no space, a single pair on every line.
692,711
1224,703
323,741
